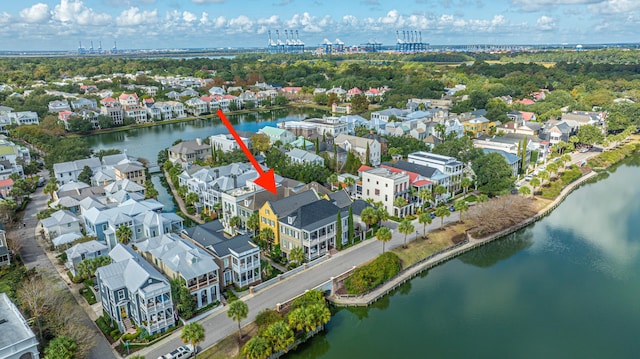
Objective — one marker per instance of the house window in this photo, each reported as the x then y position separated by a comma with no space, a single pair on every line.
377,192
121,294
226,262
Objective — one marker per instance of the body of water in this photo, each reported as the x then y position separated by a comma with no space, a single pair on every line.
148,141
565,287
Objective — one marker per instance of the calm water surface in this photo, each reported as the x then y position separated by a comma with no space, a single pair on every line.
566,287
147,142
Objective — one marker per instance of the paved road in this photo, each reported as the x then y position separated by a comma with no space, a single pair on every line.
218,326
34,256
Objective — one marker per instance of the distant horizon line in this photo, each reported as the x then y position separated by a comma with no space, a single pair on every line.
107,51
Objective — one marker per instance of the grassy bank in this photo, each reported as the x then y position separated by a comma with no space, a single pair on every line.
433,242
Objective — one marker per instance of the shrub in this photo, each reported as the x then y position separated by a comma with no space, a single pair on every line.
369,276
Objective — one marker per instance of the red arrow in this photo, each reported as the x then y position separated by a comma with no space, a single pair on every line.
265,180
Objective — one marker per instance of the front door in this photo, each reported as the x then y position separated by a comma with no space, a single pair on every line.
123,312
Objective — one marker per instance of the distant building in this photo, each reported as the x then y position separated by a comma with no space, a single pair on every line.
227,143
17,340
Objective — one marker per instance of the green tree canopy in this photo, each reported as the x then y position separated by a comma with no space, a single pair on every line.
493,174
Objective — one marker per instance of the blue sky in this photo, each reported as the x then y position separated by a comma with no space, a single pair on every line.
60,24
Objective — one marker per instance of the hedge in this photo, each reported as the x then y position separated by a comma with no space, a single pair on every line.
369,276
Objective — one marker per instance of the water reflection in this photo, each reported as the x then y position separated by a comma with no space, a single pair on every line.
499,250
601,216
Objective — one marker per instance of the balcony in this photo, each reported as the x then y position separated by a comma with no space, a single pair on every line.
201,282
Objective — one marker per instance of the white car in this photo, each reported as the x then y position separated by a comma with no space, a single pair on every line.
179,353
528,178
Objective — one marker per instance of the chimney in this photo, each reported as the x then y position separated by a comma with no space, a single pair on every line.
216,172
235,181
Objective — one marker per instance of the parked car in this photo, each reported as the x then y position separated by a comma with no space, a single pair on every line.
528,178
432,215
584,149
452,208
179,353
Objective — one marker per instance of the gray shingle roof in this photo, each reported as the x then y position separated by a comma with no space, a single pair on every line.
288,204
425,171
312,215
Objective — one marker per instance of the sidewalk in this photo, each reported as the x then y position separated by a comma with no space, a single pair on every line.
178,199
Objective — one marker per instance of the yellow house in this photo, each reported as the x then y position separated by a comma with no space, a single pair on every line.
270,212
478,125
269,219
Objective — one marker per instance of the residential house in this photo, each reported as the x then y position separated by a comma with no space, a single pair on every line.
132,291
82,102
244,201
133,171
278,134
59,223
227,142
24,118
364,148
437,177
328,126
85,250
445,164
5,187
196,106
300,128
112,108
271,211
300,156
555,131
186,152
312,226
17,340
178,109
131,99
353,92
388,114
384,185
478,125
237,257
5,253
178,258
65,172
59,105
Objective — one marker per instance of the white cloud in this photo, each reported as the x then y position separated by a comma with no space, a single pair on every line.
621,7
74,12
545,23
5,18
204,19
134,17
208,1
350,20
219,22
240,24
307,22
538,5
36,14
189,16
272,20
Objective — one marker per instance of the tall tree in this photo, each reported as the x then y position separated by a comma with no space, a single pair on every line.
257,348
425,196
192,334
405,227
424,218
462,207
297,255
253,222
535,183
85,175
494,175
383,234
465,184
369,216
350,226
440,190
61,347
441,212
124,234
238,310
279,336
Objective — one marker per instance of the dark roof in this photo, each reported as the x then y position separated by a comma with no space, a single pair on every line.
340,199
289,204
358,205
375,136
238,244
425,171
207,234
312,215
258,199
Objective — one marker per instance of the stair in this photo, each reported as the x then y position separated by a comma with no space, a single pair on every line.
127,324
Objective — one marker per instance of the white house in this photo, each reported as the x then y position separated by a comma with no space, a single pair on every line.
227,143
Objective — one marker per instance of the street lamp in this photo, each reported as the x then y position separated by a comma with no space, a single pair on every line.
416,235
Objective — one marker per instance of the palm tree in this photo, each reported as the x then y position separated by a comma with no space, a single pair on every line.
298,318
332,179
442,211
566,158
279,336
424,218
440,190
349,182
369,216
123,234
317,315
461,206
192,333
544,175
400,203
425,196
465,184
535,183
253,222
51,187
257,348
238,310
383,234
552,168
297,255
524,190
405,227
266,234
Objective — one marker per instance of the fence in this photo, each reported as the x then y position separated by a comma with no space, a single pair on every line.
287,274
